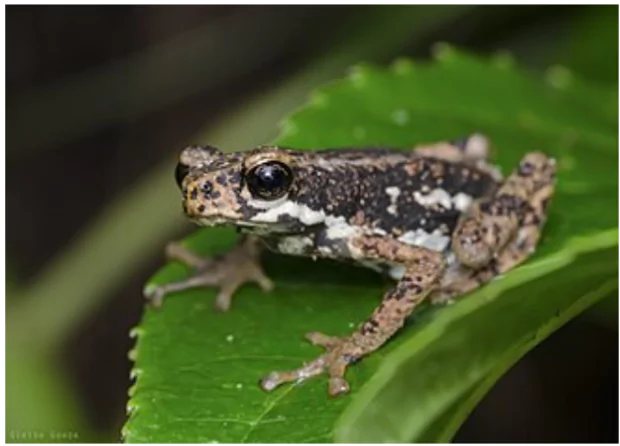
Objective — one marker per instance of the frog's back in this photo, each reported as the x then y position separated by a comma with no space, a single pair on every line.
394,191
421,194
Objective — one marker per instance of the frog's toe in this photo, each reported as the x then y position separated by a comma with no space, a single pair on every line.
271,381
338,386
275,379
223,300
339,355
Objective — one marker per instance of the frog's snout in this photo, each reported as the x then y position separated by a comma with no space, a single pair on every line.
209,198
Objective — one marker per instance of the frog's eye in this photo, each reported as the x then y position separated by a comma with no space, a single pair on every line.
269,180
180,173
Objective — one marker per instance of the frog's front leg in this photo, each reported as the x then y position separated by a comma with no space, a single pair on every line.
229,271
501,232
423,269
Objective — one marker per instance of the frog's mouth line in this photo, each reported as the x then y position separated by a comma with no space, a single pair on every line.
244,225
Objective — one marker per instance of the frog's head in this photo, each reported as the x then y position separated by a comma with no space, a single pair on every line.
251,190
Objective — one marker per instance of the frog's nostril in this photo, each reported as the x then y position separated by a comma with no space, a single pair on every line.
207,188
180,173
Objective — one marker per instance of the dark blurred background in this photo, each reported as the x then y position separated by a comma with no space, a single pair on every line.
100,99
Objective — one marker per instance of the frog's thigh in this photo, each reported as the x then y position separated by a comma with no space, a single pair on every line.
490,225
423,268
473,148
532,218
529,231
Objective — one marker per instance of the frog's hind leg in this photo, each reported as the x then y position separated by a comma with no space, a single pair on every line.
423,271
229,272
471,149
490,224
498,234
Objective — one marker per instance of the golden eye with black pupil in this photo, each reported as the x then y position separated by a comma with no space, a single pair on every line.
180,173
270,180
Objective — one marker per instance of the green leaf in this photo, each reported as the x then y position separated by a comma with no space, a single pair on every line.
591,47
196,370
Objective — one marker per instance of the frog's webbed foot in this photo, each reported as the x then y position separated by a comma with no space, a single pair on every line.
340,352
229,271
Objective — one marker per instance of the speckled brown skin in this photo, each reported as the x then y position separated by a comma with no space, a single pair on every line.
439,212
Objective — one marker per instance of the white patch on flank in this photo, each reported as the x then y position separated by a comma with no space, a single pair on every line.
298,211
462,201
436,196
393,192
294,245
338,228
435,240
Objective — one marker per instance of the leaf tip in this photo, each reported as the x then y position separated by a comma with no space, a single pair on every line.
132,354
124,433
135,332
134,373
130,408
